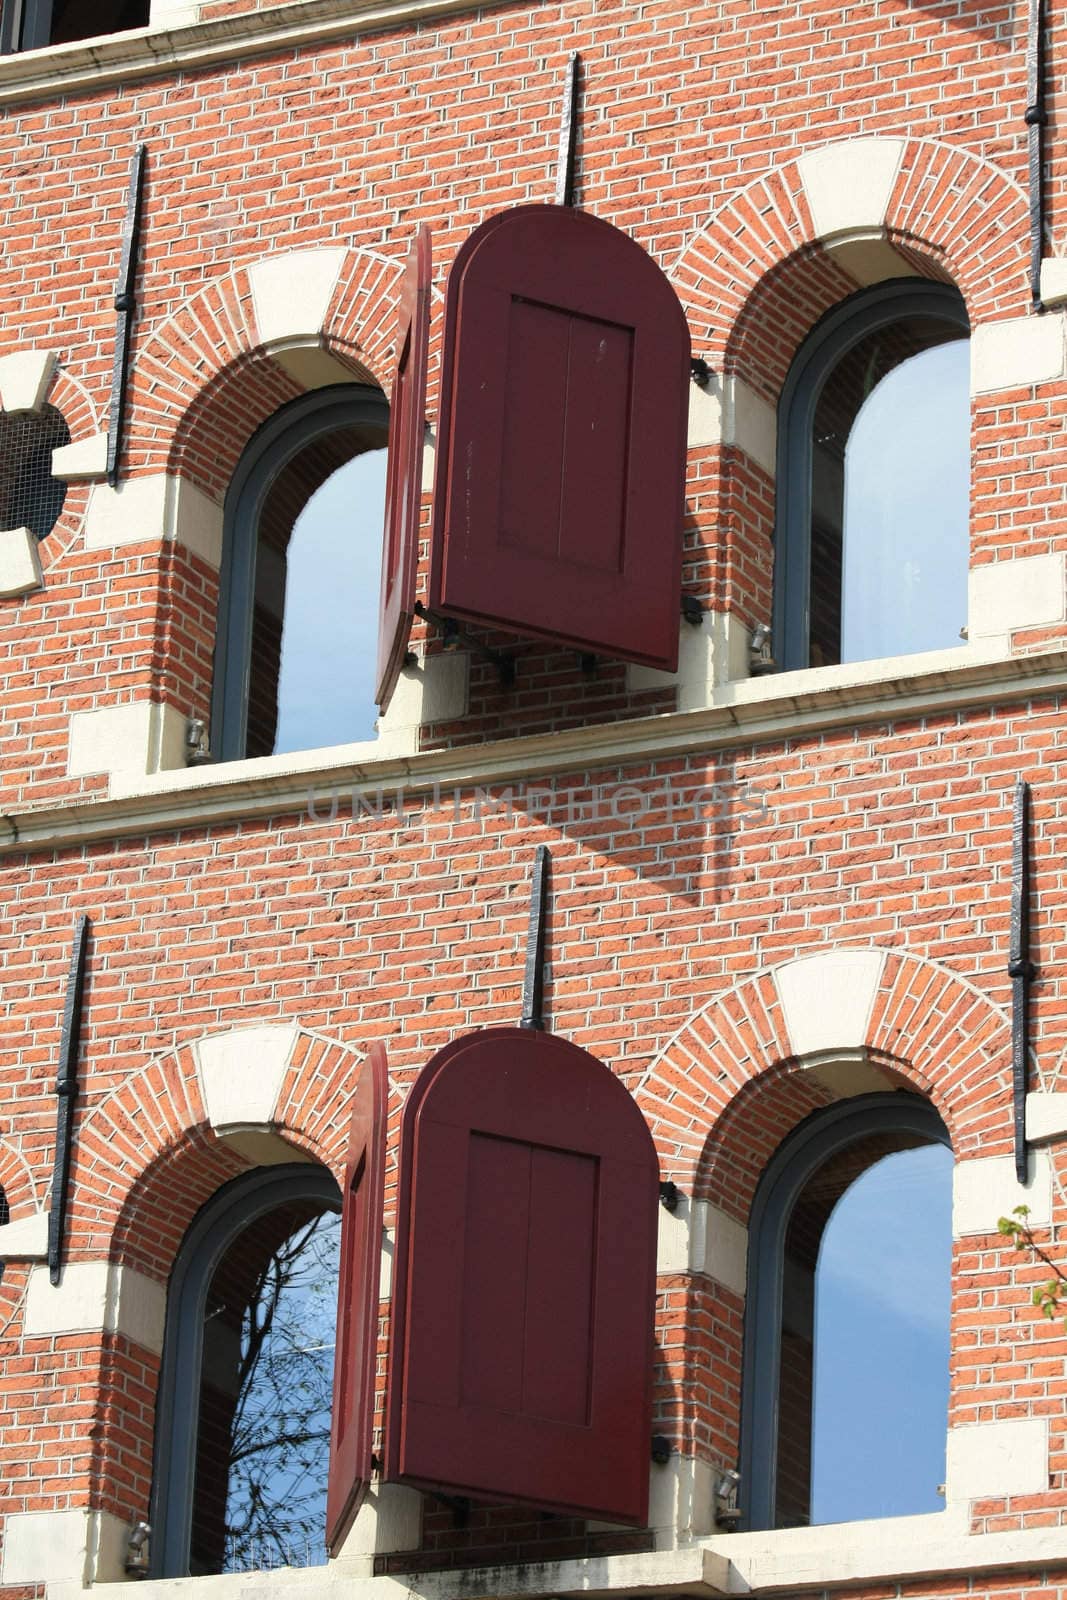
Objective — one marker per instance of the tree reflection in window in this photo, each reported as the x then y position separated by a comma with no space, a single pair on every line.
265,1397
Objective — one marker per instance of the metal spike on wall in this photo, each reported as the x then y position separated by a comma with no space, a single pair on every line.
124,307
533,983
568,133
1021,969
1035,118
67,1092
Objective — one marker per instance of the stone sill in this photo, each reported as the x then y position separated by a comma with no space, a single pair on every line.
145,52
837,1556
763,711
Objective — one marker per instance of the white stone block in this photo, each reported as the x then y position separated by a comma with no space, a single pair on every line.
241,1073
20,563
1017,353
713,654
986,1189
25,378
728,411
870,259
719,1247
681,1501
151,509
848,1072
81,461
1046,1116
1026,592
25,1239
312,367
93,1296
291,293
997,1458
130,514
827,999
672,1246
46,1547
390,1518
433,690
848,185
126,743
1054,280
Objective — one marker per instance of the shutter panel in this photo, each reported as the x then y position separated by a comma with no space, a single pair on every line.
403,492
560,490
523,1301
357,1300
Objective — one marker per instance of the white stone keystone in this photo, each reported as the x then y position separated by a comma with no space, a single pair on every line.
241,1073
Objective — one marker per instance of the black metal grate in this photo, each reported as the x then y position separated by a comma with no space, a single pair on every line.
5,1209
29,495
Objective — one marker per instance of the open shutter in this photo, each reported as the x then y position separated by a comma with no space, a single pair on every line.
524,1294
404,476
560,489
357,1300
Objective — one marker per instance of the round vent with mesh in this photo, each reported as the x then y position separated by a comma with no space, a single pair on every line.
29,495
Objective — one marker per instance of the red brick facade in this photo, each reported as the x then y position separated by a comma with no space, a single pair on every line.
694,853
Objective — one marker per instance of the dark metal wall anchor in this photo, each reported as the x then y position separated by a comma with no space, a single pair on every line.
1021,970
124,306
66,1092
1035,118
568,133
533,983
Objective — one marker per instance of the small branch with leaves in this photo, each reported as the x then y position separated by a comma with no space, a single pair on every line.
1050,1296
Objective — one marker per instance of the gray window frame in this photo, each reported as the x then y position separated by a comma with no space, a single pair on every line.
816,1140
832,338
269,451
212,1231
25,25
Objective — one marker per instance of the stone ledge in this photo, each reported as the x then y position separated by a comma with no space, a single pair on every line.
767,714
147,52
839,1556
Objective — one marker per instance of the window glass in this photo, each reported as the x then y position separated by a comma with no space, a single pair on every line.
297,642
864,1335
34,24
265,1394
329,638
889,495
85,19
882,1341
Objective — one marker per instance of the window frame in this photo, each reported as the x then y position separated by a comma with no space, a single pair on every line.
863,313
270,450
231,1210
813,1142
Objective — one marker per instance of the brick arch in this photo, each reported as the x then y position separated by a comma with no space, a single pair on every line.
728,1086
205,379
16,1180
950,214
147,1157
73,399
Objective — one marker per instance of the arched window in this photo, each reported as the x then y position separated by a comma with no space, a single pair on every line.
296,647
845,1381
243,1419
871,533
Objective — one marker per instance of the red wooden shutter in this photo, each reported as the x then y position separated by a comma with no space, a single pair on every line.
404,476
357,1300
560,489
521,1359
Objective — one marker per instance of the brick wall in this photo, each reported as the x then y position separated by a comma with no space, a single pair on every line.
668,908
